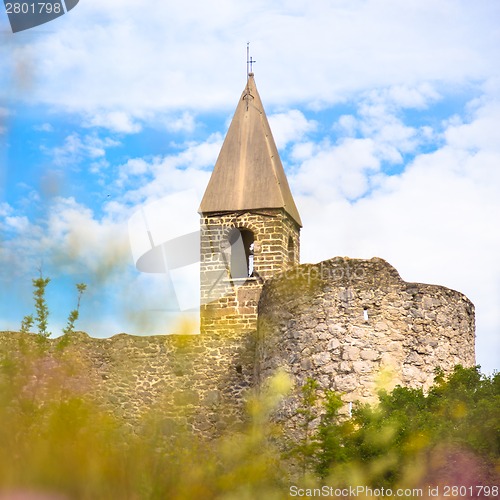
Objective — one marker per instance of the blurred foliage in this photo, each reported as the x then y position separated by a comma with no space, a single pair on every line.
306,446
392,443
57,440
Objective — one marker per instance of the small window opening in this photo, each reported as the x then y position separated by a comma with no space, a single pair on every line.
365,314
291,251
242,253
239,369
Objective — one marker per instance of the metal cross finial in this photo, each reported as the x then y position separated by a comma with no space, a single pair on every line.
250,61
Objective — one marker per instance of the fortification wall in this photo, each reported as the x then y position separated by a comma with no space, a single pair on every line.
355,326
198,381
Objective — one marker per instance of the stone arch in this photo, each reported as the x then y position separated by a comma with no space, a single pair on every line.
241,241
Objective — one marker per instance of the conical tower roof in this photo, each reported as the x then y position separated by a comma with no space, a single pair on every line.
248,174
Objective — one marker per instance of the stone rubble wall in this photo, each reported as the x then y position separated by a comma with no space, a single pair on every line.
356,327
229,304
312,323
191,381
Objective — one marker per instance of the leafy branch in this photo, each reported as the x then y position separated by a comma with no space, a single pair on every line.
42,310
73,315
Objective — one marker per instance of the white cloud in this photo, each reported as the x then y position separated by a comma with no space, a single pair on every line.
116,121
302,151
70,239
419,97
123,57
378,118
184,123
132,168
481,133
338,171
135,166
167,175
378,121
76,239
98,166
17,223
76,148
5,209
10,223
347,125
291,126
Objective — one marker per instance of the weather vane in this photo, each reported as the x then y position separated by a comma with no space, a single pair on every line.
250,61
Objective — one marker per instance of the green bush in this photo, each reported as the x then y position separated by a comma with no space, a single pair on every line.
383,443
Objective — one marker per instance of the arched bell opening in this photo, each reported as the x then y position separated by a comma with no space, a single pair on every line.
241,261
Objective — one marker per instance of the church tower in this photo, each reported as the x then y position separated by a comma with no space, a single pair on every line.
249,222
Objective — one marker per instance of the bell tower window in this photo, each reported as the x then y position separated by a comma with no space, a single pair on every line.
242,253
291,251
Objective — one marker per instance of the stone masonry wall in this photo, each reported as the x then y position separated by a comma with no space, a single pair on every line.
229,307
355,326
195,381
231,304
312,323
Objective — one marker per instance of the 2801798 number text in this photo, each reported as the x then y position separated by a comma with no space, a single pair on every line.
470,491
33,8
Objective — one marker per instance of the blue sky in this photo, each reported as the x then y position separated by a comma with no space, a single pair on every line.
386,114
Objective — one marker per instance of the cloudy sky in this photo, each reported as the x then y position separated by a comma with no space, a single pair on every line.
386,114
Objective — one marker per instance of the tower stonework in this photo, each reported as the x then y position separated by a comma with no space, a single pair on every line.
249,222
355,327
229,303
